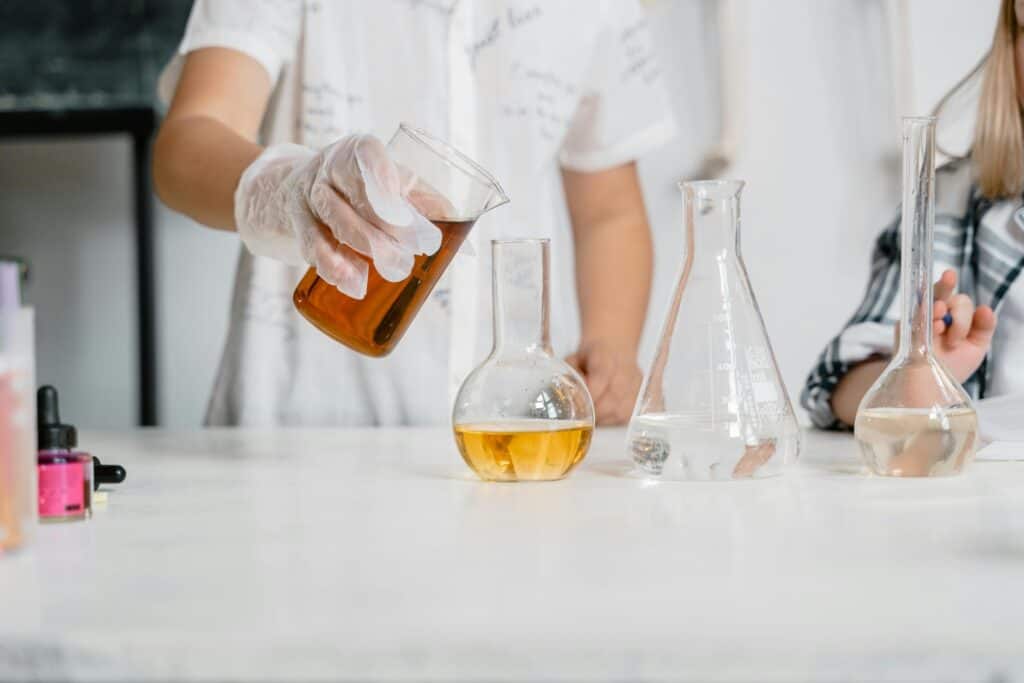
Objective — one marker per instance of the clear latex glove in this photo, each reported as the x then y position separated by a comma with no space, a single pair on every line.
305,207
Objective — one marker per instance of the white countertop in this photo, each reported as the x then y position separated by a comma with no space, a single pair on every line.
376,555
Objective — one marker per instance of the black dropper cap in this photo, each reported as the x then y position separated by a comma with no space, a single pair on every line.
106,474
52,434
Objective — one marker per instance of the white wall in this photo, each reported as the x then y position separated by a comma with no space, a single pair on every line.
66,206
819,149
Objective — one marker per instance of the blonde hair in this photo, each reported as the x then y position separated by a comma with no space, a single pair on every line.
997,152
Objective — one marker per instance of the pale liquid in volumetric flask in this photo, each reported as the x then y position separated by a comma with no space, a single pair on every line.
904,442
523,450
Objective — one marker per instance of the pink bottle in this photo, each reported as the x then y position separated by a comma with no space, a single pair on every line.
65,475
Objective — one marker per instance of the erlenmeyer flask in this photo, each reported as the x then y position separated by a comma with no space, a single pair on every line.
452,191
916,420
713,405
523,414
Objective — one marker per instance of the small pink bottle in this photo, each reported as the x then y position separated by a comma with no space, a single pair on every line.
65,475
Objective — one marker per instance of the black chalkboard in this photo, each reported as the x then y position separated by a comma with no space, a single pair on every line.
85,54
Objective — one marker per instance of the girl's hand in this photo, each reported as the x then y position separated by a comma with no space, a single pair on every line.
613,378
963,343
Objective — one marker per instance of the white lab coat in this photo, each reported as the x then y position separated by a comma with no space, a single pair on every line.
520,86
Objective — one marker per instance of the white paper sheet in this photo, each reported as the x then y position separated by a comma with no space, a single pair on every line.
1002,418
1002,427
1002,450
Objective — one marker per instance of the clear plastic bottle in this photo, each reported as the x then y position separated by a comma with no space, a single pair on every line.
713,404
523,414
916,420
18,486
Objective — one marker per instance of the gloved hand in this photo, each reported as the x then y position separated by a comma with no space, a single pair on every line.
300,206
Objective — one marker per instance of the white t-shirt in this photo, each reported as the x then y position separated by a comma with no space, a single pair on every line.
520,86
1007,377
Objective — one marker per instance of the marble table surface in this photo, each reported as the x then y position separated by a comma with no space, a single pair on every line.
375,555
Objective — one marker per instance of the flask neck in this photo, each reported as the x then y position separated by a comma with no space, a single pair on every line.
712,220
916,235
521,299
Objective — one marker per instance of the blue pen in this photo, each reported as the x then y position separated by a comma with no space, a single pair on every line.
948,319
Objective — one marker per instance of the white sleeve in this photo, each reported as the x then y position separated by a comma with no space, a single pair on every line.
625,110
266,30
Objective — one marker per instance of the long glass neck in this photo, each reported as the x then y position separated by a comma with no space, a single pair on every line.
916,229
712,209
520,289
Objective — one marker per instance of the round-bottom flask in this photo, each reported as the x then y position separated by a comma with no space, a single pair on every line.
523,414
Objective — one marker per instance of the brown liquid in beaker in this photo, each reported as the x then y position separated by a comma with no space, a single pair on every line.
374,324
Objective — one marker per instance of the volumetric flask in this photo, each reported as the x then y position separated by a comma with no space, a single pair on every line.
713,405
523,414
916,420
450,190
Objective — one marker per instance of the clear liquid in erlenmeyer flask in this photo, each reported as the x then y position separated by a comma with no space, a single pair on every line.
679,446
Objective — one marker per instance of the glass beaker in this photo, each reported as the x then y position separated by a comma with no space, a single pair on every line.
713,404
523,414
916,420
452,191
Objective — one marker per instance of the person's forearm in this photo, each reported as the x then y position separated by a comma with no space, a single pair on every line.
197,162
613,278
851,389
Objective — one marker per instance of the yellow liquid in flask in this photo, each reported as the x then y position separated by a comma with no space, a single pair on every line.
523,450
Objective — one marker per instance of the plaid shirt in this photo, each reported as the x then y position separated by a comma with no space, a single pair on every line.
987,265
